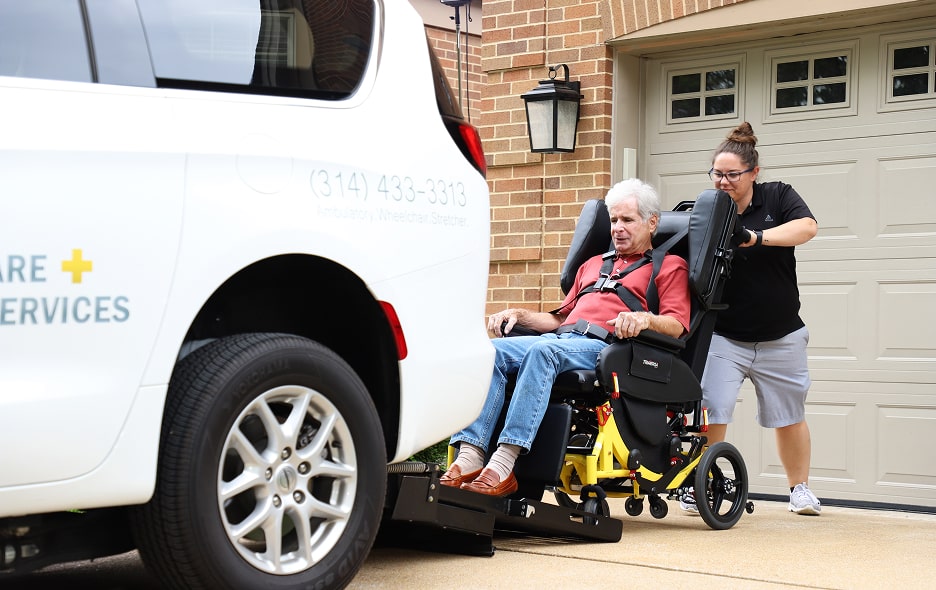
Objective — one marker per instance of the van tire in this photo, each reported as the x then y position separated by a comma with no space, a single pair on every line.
225,426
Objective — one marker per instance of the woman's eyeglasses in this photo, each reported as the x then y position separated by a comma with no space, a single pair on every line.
731,176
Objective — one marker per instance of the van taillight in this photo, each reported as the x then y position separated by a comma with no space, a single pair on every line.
397,329
468,141
473,144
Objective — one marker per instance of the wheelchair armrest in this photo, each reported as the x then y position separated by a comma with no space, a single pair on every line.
660,340
519,330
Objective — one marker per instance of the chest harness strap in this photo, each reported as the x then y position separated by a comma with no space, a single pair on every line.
609,282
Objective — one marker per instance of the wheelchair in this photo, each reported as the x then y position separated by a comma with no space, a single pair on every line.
635,427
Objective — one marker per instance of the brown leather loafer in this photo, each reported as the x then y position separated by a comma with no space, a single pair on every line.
453,478
487,484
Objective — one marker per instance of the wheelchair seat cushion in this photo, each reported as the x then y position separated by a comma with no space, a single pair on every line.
579,384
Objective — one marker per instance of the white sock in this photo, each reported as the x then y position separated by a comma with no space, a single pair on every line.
470,458
503,459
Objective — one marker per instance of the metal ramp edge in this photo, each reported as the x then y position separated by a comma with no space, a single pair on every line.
440,518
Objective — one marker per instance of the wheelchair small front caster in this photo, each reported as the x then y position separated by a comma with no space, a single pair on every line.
594,502
633,506
749,507
658,507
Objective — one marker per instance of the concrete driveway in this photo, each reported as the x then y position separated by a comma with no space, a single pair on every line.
844,548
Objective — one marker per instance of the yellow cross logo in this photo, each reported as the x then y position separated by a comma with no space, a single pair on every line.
76,265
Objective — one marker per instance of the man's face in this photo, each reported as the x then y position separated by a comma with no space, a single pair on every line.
630,233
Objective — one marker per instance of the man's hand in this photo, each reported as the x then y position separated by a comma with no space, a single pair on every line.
630,323
510,316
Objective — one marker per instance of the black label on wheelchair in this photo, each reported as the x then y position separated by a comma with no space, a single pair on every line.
651,363
646,372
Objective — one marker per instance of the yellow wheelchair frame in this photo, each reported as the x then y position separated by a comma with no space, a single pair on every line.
715,476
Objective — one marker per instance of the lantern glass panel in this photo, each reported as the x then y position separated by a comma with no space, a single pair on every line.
540,120
568,117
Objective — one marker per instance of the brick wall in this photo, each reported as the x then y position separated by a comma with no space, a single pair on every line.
536,198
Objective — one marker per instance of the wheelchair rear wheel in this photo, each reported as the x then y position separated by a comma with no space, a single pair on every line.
721,486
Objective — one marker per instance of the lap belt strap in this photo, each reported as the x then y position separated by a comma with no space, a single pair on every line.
588,329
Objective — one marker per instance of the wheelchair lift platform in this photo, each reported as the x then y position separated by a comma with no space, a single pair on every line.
430,516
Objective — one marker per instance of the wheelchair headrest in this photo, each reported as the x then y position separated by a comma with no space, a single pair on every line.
592,236
711,223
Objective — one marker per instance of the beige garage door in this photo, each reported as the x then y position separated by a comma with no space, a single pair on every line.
849,119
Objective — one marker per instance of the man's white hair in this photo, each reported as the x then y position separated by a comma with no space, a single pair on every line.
648,203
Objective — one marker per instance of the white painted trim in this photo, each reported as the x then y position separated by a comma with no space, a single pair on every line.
749,19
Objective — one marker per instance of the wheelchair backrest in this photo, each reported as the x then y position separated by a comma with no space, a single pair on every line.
709,221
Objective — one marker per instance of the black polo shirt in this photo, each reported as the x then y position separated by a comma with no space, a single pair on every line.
761,293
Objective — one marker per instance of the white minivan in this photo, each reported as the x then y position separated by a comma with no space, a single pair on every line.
243,264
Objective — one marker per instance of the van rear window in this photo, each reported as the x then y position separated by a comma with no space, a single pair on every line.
313,48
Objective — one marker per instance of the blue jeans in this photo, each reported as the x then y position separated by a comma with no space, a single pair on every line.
536,360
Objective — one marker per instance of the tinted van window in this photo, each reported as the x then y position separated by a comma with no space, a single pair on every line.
316,48
43,39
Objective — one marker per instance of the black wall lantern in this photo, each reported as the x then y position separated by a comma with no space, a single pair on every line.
552,111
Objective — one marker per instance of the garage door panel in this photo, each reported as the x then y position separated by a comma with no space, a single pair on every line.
834,460
907,320
905,457
906,192
827,309
829,187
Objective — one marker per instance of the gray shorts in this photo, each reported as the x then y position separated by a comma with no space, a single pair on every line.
777,369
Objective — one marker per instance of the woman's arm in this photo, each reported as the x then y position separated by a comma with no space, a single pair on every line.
792,233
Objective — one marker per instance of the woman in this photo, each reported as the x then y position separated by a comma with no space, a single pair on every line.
761,335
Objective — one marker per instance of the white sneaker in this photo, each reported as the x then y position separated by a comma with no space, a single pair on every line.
803,501
688,504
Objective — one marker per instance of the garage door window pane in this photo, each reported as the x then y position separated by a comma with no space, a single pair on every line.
911,57
910,85
828,93
719,105
719,80
792,71
687,83
831,67
791,97
686,108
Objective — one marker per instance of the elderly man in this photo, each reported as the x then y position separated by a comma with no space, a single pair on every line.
591,316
